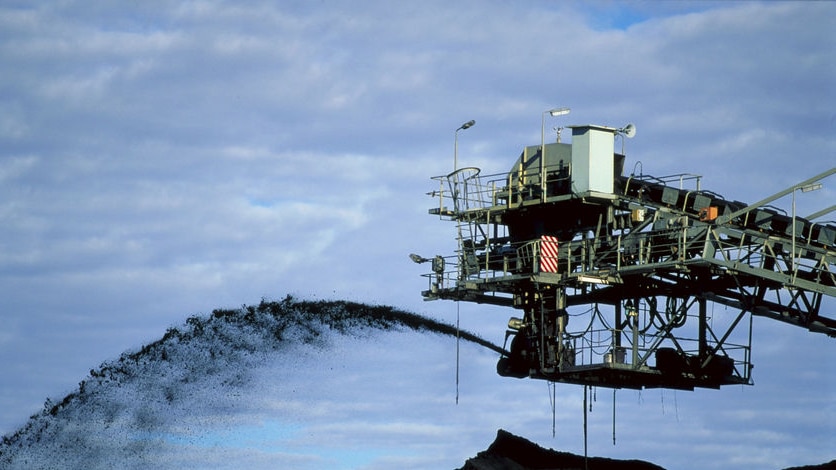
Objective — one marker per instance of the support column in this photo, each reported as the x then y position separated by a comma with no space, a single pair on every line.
635,323
703,326
618,326
562,319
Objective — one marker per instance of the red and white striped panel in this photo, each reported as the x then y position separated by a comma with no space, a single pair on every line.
548,254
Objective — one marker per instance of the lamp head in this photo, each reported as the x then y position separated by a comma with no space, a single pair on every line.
418,258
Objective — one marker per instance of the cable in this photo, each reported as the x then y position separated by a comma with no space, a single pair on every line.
585,454
675,406
676,314
613,416
552,388
458,337
601,318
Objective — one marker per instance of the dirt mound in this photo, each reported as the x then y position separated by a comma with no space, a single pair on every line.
510,452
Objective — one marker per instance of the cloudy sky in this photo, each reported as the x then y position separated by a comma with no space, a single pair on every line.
161,159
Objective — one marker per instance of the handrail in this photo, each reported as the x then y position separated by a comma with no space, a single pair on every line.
726,218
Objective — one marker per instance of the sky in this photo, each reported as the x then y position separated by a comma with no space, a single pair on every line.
161,160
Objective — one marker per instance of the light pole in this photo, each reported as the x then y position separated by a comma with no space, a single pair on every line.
552,112
805,188
464,126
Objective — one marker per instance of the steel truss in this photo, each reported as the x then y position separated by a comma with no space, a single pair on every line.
638,269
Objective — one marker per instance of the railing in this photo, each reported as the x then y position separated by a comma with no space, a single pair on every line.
466,189
599,346
673,238
635,250
669,180
740,248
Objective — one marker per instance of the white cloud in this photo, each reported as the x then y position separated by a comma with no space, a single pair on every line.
157,162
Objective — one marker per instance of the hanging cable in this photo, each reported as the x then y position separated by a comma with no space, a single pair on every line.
675,406
462,275
458,337
552,387
588,327
592,397
653,312
676,314
613,416
601,318
585,454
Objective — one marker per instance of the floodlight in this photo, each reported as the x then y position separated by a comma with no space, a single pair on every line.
418,258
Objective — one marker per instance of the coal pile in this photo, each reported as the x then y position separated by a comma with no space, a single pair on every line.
510,452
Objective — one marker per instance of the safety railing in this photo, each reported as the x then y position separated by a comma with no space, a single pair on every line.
674,180
466,190
599,346
742,248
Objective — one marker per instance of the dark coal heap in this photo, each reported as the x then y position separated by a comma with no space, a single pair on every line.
825,466
510,452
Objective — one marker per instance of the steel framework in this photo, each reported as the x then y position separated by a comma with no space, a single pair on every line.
639,270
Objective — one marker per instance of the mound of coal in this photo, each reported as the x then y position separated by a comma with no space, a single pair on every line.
510,452
825,466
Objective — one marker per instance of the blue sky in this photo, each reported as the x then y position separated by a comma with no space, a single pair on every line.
161,160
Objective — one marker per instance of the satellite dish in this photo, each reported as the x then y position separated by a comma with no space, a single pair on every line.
628,131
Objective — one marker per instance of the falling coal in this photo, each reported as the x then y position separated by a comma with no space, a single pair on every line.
127,407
